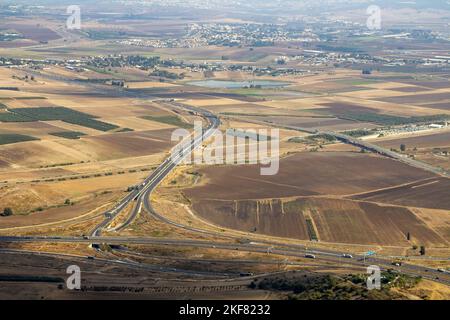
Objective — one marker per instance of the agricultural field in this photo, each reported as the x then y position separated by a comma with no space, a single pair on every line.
306,205
359,117
306,174
332,220
68,134
430,147
14,138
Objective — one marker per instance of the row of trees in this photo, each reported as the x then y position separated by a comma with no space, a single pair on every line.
422,250
9,212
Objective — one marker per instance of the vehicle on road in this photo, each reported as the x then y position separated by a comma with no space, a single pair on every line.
246,274
310,256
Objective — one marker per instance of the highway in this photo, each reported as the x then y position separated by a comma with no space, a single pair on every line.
360,144
385,152
294,251
142,194
184,149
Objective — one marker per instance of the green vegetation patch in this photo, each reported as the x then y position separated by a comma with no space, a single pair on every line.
6,138
30,98
55,113
388,120
311,230
167,75
92,123
358,133
248,135
13,117
330,287
125,130
50,113
68,134
170,120
314,139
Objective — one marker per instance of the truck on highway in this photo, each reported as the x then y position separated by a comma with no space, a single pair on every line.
347,256
310,256
246,274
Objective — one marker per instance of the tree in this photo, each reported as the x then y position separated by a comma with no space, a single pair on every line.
7,212
403,147
422,250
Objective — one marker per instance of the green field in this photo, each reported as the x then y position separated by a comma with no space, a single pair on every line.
14,138
13,117
68,134
30,98
55,113
50,113
92,123
124,130
170,120
358,133
388,120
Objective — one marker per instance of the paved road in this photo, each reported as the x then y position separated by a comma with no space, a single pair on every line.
184,148
385,152
363,145
294,251
143,192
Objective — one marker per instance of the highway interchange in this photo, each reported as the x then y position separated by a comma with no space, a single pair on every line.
140,198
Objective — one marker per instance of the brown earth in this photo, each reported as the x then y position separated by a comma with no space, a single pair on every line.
232,197
439,106
131,143
334,220
417,98
35,32
424,141
303,174
431,193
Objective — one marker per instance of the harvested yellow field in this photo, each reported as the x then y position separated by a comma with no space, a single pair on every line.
430,290
138,124
149,84
211,102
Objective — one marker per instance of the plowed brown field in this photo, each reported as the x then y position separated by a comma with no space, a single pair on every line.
334,220
238,197
303,174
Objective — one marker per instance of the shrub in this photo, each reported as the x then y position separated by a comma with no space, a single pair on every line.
7,212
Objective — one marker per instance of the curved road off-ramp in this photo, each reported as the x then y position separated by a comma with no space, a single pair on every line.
142,197
184,149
